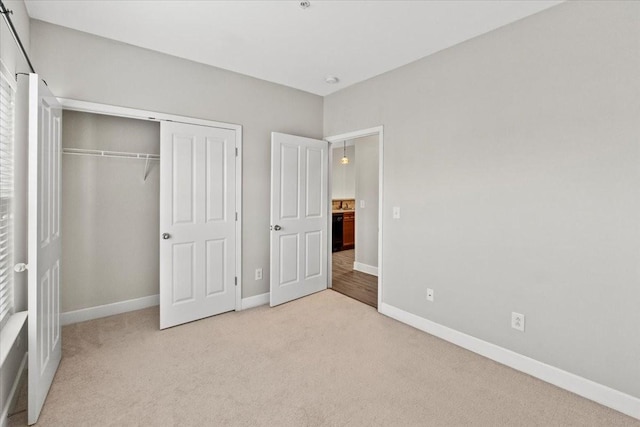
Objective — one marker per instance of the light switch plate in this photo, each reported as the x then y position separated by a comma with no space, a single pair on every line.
361,204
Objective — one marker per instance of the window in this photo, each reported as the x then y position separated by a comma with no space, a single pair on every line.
7,95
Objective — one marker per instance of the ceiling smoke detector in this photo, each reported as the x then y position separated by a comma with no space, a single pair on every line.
305,4
332,80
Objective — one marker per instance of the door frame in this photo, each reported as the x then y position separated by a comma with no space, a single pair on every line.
134,113
378,130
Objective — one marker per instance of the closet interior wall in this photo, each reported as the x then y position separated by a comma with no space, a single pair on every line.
110,214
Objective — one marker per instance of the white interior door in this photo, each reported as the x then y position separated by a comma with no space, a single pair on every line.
197,222
299,169
44,236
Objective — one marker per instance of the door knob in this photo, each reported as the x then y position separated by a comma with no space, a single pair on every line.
166,236
277,228
20,267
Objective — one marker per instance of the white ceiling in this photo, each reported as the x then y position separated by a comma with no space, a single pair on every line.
280,42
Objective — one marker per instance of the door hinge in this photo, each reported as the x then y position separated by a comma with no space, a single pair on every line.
236,280
236,151
236,216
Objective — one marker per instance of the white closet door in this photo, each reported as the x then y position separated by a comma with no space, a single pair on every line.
299,168
197,222
45,248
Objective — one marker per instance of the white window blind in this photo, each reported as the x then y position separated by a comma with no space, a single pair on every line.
7,95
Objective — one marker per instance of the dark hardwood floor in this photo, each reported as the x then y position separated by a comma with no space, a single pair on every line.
354,284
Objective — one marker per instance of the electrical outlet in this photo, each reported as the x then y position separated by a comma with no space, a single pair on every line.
258,274
517,321
396,212
429,294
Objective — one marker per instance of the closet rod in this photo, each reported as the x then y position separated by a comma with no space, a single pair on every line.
113,154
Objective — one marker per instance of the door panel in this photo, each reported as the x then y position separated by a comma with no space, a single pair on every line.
198,215
288,259
44,241
314,183
313,265
289,187
216,179
183,176
183,272
298,217
216,270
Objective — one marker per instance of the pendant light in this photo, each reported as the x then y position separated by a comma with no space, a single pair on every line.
345,159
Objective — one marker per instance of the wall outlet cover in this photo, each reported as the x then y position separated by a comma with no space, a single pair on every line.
258,274
429,294
517,321
396,212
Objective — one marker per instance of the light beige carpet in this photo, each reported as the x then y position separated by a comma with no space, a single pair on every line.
324,360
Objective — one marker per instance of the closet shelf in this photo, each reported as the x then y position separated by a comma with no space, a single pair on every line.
105,153
115,154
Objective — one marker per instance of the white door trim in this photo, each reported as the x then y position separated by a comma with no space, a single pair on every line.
134,113
378,130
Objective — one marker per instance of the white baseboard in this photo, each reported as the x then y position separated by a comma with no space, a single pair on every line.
602,394
365,268
108,309
255,301
13,393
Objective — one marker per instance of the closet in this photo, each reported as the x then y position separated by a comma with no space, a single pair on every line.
110,217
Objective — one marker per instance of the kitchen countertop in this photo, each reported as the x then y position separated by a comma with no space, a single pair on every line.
342,210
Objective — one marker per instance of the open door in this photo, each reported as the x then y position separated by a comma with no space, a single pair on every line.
44,238
197,222
299,169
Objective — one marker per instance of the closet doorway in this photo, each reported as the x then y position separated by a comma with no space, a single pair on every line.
113,211
109,210
356,197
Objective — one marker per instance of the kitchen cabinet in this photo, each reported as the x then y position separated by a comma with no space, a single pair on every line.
348,230
344,219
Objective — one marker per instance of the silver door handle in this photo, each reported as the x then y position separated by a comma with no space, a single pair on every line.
166,236
20,267
277,227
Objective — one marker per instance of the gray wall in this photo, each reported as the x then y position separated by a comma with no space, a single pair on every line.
90,68
12,59
111,215
514,157
367,189
343,185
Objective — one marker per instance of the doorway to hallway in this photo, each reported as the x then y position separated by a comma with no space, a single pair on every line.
356,196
